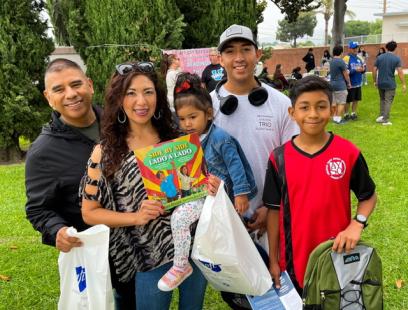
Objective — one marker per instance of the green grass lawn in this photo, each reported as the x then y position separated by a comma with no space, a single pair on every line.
32,267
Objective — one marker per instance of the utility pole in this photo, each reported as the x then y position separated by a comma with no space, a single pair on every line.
385,7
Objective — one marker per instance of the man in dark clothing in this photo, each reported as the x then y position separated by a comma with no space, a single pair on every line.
56,160
309,60
214,72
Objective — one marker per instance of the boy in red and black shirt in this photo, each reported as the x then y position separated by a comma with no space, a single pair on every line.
308,183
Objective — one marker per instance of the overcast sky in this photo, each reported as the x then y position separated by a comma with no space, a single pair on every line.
364,10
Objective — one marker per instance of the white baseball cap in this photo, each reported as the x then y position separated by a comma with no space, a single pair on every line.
236,32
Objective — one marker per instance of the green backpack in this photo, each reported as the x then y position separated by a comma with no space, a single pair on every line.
343,281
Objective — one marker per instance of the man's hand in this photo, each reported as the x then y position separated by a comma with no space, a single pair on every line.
404,88
65,243
241,203
258,220
275,272
212,184
347,239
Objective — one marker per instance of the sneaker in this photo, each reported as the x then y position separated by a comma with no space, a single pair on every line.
174,277
346,117
353,117
388,123
340,122
380,119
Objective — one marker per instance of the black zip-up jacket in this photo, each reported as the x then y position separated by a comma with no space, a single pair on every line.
55,164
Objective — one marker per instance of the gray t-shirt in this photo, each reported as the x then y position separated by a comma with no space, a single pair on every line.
386,64
337,66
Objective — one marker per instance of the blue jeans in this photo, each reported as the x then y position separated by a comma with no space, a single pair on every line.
149,297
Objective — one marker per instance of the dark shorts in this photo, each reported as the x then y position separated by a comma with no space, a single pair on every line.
354,94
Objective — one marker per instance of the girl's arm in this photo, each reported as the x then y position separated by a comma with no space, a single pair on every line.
237,173
94,213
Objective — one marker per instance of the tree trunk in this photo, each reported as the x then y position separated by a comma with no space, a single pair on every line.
340,8
10,155
326,31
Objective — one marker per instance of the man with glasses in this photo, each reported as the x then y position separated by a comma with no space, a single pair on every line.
214,72
57,159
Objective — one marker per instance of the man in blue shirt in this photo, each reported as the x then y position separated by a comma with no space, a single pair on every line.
386,64
356,68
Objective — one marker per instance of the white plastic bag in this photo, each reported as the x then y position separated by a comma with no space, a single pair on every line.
85,281
224,251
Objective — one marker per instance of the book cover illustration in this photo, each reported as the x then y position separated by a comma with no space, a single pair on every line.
174,171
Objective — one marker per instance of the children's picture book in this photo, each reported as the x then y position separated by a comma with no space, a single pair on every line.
285,298
174,171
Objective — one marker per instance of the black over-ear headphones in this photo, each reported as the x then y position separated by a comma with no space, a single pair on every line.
229,104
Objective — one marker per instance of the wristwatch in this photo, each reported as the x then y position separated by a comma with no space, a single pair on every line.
361,219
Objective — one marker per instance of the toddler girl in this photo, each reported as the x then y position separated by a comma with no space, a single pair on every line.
225,159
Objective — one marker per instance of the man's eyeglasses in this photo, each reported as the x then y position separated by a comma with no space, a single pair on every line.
143,66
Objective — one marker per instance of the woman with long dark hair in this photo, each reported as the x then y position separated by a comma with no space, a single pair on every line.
279,79
136,115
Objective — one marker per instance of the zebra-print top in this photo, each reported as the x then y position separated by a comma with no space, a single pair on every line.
133,248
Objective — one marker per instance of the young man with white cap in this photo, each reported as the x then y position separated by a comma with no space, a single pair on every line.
253,112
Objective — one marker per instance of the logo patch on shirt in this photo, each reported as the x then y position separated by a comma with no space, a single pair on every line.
264,122
336,168
218,74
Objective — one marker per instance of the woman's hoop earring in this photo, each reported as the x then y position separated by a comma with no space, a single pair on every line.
124,118
157,117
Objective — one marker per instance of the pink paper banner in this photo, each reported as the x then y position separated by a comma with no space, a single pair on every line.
192,60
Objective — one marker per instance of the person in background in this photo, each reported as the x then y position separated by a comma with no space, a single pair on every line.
170,68
326,58
340,82
364,56
279,79
214,72
136,115
296,73
315,161
309,59
356,68
57,159
381,50
385,65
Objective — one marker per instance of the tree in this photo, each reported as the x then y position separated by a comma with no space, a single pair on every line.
107,32
292,8
24,48
340,9
215,16
354,28
290,31
376,27
327,9
59,14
